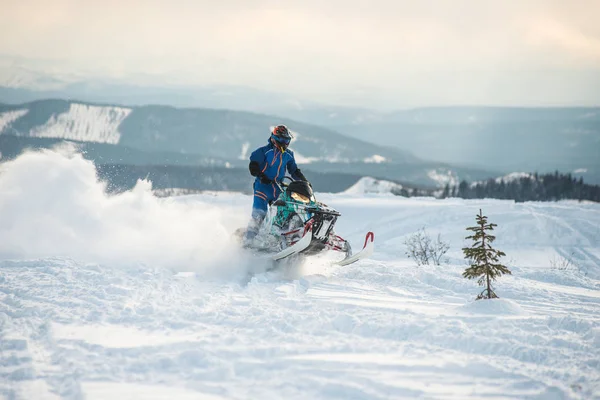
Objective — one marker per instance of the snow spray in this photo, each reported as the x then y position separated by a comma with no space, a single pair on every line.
53,205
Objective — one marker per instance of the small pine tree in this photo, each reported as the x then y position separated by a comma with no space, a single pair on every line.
484,259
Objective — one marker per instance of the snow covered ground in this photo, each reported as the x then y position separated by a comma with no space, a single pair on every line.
136,297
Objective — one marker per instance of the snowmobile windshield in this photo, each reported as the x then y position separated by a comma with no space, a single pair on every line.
300,190
300,197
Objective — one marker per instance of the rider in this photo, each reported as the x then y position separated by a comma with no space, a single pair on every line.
268,164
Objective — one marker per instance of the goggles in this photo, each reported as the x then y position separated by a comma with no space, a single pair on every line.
282,140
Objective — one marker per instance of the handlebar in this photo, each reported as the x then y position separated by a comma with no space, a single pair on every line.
282,185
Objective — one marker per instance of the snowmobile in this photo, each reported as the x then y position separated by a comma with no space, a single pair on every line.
297,224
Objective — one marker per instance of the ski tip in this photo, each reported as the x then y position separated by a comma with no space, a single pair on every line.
369,238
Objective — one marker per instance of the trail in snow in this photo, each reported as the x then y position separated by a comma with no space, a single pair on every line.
95,306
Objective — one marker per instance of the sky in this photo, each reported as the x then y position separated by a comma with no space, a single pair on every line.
375,53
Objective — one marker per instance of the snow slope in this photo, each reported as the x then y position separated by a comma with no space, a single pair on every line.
135,297
371,185
8,117
85,123
443,177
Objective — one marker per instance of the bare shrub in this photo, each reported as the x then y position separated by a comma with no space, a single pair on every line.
424,250
562,263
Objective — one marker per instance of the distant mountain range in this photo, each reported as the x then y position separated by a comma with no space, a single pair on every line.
497,138
229,135
141,122
168,136
501,139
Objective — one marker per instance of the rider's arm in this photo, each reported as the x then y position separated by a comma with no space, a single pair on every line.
294,170
254,168
257,160
299,176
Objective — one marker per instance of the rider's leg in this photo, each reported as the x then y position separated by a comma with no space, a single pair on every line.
259,210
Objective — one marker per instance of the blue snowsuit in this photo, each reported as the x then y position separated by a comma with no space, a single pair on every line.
272,164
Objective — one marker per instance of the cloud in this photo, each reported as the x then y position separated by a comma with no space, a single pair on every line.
569,41
313,48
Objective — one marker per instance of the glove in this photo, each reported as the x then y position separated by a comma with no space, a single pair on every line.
254,168
265,180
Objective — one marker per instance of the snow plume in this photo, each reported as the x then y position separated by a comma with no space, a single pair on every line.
52,205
